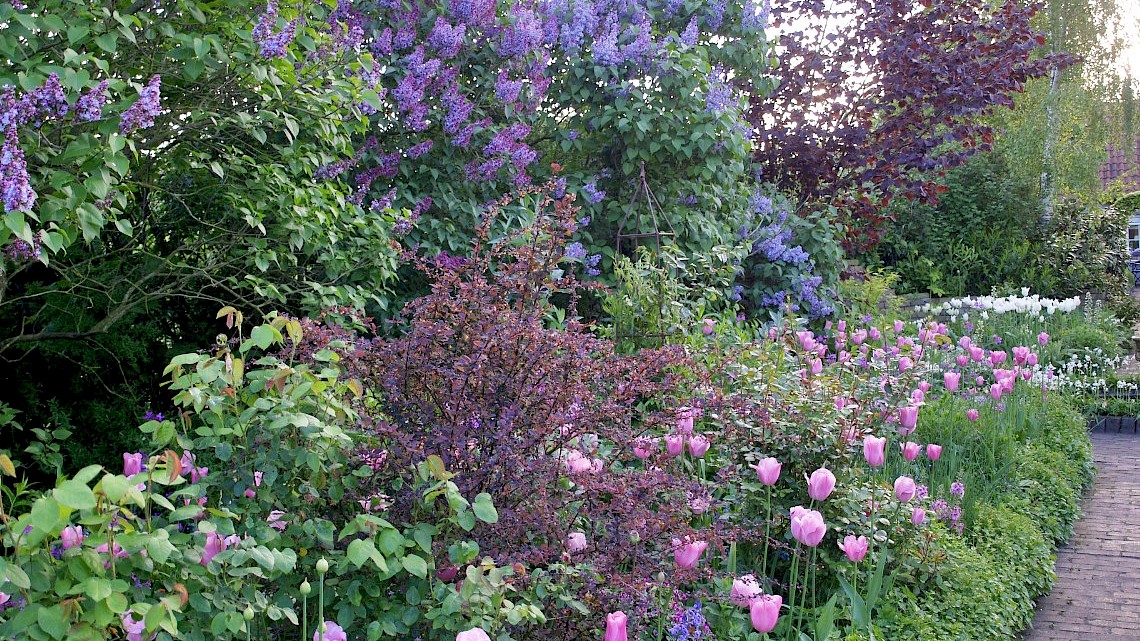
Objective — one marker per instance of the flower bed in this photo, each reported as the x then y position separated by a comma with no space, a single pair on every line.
482,475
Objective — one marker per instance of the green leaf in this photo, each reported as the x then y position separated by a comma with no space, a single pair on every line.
359,551
224,451
45,514
416,566
115,487
484,509
466,520
117,603
262,336
108,41
75,494
53,621
97,588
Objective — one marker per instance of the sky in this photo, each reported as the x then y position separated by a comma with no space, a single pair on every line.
1131,55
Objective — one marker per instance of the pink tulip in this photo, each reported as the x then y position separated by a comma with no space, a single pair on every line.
577,463
905,364
996,391
132,463
806,339
768,470
615,627
744,591
1042,339
333,632
686,555
1020,355
674,444
875,334
698,445
214,545
924,386
1031,360
808,526
962,360
976,353
576,542
119,552
815,367
875,450
72,537
134,629
643,448
685,416
933,452
910,450
820,484
972,414
997,358
708,326
899,325
951,380
917,397
858,336
978,380
854,548
908,419
765,611
918,516
905,488
276,519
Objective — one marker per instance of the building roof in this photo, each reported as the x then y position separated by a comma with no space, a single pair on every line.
1123,166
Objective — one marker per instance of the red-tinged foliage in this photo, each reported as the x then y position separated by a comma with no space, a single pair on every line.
881,97
475,376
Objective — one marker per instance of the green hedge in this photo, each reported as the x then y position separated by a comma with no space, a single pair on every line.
985,583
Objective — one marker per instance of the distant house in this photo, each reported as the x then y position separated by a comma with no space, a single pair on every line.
1123,168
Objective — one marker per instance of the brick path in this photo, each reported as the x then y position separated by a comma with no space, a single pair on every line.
1097,595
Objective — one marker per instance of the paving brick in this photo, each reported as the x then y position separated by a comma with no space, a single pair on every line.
1097,594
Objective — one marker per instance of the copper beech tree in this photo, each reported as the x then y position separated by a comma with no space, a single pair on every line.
877,98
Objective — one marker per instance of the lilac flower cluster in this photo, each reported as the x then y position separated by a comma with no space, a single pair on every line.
19,251
89,107
719,97
141,115
445,39
592,262
15,187
593,194
575,251
522,35
756,18
272,42
772,241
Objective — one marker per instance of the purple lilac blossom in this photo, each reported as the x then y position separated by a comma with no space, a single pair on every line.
593,194
15,188
592,262
756,18
420,149
89,107
715,14
690,34
575,251
141,115
446,39
273,43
